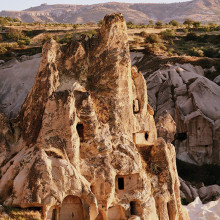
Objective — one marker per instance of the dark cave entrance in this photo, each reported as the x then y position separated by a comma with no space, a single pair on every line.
121,184
80,131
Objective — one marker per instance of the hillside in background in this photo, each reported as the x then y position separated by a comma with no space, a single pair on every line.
201,10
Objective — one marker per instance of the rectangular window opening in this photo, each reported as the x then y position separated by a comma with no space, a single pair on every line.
121,183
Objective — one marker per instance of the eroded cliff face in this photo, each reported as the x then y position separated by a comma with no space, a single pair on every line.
85,143
194,103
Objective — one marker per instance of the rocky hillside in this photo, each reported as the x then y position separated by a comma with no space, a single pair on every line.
201,10
85,143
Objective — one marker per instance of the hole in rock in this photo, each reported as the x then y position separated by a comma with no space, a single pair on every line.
80,130
54,214
135,208
146,136
121,184
181,136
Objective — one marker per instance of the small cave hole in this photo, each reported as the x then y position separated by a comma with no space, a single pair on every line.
181,136
54,214
135,208
80,130
121,184
146,136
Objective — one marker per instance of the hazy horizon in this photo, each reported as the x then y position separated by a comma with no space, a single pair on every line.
14,5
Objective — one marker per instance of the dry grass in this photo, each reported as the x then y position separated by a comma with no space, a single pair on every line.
20,214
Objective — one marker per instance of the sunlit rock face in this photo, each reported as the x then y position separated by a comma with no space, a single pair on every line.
193,101
85,142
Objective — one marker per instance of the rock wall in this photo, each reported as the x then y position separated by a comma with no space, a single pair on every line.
194,103
85,145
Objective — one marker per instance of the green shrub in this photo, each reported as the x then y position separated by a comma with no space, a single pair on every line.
196,52
191,36
3,50
174,23
15,35
211,52
75,26
196,24
168,34
90,33
188,22
143,34
153,38
56,38
46,38
24,41
159,24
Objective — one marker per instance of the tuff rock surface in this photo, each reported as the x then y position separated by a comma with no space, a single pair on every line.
85,143
205,193
193,101
17,78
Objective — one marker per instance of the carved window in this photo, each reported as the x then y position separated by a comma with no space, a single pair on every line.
146,136
121,184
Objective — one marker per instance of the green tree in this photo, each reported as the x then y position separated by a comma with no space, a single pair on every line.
168,34
151,23
174,23
188,22
196,24
159,24
153,38
130,23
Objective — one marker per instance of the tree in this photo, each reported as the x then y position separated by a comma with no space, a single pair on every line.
153,38
159,24
196,24
174,23
168,34
188,22
130,23
151,23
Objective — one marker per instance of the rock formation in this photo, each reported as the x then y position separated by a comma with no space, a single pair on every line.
85,143
17,78
205,193
194,103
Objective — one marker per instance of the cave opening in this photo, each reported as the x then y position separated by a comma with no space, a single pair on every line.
54,214
181,136
146,136
136,208
80,131
121,184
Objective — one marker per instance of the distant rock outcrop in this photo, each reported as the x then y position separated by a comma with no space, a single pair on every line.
199,10
85,142
194,103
